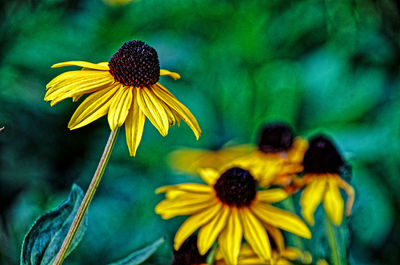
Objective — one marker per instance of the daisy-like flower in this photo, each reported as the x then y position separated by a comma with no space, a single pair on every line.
278,157
126,89
322,167
229,208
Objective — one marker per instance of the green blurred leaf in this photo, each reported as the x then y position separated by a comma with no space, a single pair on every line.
47,234
141,255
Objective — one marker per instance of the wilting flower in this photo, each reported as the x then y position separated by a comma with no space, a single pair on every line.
188,254
126,88
322,167
229,207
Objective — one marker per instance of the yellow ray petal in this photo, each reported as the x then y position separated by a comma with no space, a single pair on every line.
272,195
178,107
194,222
188,187
277,236
282,219
134,127
100,66
333,202
171,208
119,108
72,77
209,232
153,110
93,107
230,239
209,175
311,197
255,235
171,74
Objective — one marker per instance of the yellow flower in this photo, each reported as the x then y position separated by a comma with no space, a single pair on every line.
322,166
126,88
229,207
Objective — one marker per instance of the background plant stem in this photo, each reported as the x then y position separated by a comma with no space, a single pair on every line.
88,197
330,234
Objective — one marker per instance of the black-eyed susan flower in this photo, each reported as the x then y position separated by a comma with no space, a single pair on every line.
278,156
322,168
188,253
229,208
126,89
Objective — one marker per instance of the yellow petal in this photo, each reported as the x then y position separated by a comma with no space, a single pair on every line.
119,108
209,232
134,127
171,74
194,222
333,202
255,235
277,236
230,239
92,108
188,187
178,107
282,219
209,175
100,66
272,195
311,197
184,206
153,110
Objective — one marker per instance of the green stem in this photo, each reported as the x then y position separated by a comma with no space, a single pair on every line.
330,233
288,204
88,197
211,256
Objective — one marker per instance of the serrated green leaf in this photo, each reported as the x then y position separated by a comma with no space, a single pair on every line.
44,239
141,255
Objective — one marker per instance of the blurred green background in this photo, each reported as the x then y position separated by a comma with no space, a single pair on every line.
323,66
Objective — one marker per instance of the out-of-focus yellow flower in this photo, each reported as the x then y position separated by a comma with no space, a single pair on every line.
322,166
126,88
229,207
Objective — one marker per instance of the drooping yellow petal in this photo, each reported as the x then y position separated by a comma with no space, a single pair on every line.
93,107
277,236
209,175
280,218
230,239
100,66
171,74
193,223
180,109
184,206
272,195
188,187
311,198
119,108
255,234
333,202
153,110
209,232
134,127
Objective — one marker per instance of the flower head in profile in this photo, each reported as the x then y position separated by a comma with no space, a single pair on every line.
229,207
278,156
126,89
322,167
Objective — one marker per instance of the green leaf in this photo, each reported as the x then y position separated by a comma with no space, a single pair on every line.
44,239
141,255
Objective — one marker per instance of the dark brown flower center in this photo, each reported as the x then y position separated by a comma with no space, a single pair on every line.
135,64
236,187
275,137
188,253
322,157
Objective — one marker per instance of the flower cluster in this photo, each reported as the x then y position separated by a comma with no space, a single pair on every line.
242,183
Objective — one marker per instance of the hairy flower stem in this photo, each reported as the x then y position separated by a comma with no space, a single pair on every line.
333,244
88,197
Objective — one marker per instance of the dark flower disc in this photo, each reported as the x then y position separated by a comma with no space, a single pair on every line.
275,137
236,187
322,157
135,64
188,253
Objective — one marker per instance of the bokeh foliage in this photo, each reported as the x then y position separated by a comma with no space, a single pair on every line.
322,65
